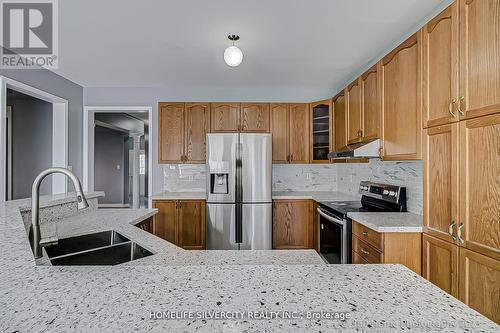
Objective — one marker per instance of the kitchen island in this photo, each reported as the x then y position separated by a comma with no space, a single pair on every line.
258,291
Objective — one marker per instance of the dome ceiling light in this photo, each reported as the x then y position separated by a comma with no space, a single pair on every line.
233,55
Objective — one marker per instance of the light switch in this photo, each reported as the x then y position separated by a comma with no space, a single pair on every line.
118,167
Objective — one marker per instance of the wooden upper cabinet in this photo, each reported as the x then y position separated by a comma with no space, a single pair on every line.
191,217
401,106
441,181
321,131
225,117
440,264
255,117
299,132
170,132
354,113
280,129
370,104
165,221
479,57
340,122
197,125
480,184
480,283
440,68
291,224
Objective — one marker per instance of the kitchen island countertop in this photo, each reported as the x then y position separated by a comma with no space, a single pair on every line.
140,295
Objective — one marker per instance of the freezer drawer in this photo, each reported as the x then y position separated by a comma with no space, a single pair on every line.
257,227
220,227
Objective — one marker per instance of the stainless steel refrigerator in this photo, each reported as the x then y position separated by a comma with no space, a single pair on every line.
239,202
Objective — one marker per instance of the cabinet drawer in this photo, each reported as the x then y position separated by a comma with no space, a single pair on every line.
366,251
357,259
368,235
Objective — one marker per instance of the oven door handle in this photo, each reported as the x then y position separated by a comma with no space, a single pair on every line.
330,218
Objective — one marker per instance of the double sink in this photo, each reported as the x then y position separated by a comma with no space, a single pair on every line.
100,248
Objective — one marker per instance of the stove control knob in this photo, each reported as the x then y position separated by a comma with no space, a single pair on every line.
361,188
366,188
392,193
386,192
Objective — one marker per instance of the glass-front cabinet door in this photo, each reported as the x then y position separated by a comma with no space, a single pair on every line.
321,131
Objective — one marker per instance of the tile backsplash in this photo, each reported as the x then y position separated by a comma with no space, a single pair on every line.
184,177
286,177
314,177
304,177
407,174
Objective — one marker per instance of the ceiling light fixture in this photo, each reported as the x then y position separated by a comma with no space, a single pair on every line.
233,55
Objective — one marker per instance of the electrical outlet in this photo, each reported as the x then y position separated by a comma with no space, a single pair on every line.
308,175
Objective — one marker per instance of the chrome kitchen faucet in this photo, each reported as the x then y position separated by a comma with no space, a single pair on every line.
34,235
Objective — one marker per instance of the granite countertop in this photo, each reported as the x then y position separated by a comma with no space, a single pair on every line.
314,195
285,195
389,222
136,296
179,196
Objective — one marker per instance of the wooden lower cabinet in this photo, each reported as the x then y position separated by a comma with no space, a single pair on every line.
479,283
191,225
470,276
293,225
165,221
440,263
181,222
371,247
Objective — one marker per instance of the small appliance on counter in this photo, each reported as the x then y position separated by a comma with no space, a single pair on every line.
335,227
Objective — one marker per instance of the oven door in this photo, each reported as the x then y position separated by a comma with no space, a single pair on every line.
333,241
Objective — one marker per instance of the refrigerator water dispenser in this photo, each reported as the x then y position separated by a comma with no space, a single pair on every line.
219,183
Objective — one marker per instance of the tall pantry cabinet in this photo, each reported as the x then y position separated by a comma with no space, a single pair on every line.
461,96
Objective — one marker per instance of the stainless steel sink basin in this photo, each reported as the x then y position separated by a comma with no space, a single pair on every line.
85,242
101,248
111,255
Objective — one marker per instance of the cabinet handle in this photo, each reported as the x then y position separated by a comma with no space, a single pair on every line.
365,233
360,133
459,233
322,226
364,251
450,107
180,204
459,104
450,230
291,157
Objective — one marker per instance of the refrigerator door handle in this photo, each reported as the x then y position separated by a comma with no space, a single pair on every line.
239,194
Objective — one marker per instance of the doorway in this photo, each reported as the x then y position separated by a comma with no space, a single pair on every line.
33,137
118,156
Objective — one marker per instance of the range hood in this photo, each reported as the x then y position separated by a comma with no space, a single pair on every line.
368,150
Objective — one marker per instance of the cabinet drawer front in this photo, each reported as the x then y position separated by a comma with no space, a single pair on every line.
357,259
368,235
366,251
